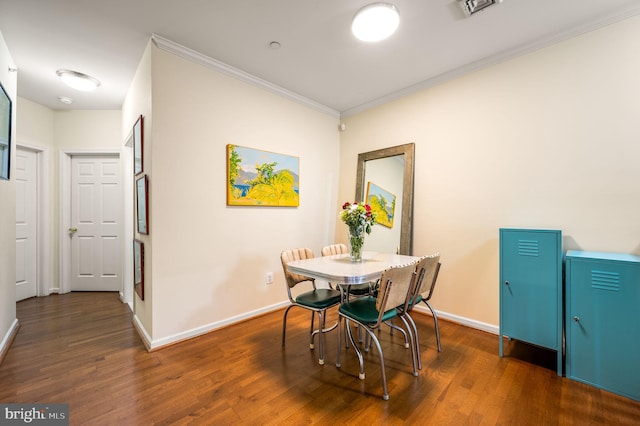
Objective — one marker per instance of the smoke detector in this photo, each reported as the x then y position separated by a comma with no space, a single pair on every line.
469,7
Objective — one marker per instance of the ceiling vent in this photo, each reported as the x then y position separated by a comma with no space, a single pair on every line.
469,7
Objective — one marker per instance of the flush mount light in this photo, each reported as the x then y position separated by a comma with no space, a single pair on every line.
375,22
65,100
78,80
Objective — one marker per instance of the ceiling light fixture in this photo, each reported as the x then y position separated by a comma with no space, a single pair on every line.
78,80
65,100
375,22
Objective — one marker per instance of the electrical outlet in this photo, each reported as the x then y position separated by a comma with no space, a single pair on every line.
268,279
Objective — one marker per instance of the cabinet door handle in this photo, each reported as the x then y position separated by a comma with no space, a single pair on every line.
506,283
576,319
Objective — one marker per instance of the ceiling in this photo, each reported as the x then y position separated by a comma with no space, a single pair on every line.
318,58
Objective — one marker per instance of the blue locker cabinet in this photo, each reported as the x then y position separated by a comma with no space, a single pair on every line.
603,320
531,288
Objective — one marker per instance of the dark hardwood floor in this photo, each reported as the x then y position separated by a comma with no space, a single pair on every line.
81,349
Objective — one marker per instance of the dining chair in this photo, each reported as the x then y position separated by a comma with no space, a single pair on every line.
355,289
316,300
370,312
426,274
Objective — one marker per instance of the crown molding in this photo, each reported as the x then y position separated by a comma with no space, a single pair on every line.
197,57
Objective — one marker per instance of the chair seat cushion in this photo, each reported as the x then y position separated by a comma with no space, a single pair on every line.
364,310
357,289
319,298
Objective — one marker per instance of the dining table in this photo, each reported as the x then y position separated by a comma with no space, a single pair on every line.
339,269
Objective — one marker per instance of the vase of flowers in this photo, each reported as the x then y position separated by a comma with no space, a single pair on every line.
359,218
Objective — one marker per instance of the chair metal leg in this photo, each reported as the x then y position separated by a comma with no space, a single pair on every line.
284,323
392,326
435,322
355,348
416,341
412,338
385,391
321,320
338,364
311,332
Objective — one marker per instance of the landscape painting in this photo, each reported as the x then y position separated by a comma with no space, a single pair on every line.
261,178
383,203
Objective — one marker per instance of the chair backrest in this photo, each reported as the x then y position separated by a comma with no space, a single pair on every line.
335,249
427,270
291,255
395,286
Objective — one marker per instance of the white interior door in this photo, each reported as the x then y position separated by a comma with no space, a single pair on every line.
26,178
95,223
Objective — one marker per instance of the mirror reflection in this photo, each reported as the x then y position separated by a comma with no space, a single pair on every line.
389,172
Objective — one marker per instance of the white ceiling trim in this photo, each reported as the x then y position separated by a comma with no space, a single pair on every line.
495,59
199,58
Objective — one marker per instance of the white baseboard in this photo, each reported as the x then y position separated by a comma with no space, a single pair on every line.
489,328
156,344
8,338
189,334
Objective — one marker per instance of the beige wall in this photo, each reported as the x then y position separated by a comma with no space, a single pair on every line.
8,216
209,260
547,140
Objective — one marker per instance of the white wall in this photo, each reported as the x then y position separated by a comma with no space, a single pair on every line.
210,260
547,140
136,103
8,321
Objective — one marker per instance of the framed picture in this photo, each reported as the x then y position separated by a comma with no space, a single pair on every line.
383,203
5,133
138,268
261,178
138,156
142,201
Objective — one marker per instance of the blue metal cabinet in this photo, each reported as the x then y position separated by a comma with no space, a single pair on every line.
531,288
603,320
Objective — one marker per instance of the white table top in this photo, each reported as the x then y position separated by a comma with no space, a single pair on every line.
339,269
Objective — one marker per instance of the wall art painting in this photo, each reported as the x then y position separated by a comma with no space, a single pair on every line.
5,133
261,178
138,146
142,203
138,268
383,203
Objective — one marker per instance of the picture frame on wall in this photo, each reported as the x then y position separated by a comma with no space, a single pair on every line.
138,145
142,201
262,178
5,133
138,268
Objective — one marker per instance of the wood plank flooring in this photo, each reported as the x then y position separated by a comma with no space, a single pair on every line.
81,349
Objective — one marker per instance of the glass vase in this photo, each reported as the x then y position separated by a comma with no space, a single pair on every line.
356,241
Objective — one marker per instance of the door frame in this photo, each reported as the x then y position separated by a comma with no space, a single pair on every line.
65,210
44,256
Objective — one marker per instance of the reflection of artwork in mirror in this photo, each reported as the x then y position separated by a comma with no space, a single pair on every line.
261,178
383,204
138,268
137,147
5,133
142,204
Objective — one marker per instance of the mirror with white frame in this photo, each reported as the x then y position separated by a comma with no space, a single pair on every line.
391,169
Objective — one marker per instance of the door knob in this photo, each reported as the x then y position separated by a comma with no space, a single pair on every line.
73,230
506,282
576,319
